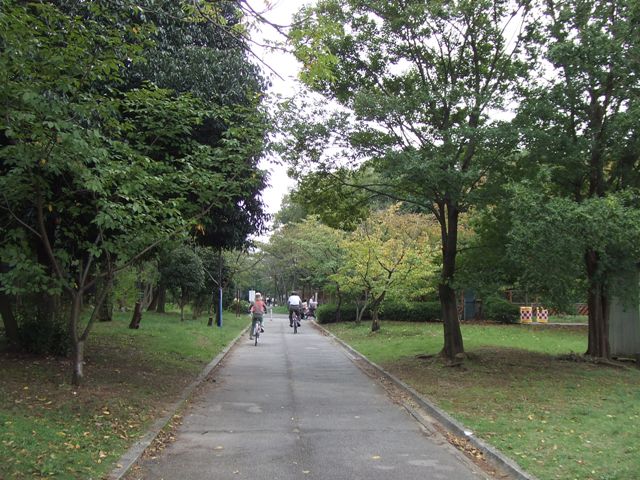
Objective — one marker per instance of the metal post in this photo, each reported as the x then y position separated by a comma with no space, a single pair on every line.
220,309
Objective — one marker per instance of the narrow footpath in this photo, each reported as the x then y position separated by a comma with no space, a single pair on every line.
297,407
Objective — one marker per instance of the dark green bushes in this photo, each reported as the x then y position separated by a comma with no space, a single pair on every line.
391,311
500,310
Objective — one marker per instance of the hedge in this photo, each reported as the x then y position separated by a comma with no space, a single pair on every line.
390,311
500,310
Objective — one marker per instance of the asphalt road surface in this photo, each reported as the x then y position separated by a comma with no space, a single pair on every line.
297,407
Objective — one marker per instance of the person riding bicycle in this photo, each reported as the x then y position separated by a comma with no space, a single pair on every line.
257,310
294,303
312,307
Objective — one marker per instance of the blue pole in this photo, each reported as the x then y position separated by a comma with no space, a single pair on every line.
220,309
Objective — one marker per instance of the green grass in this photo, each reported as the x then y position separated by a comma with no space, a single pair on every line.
568,319
558,419
50,429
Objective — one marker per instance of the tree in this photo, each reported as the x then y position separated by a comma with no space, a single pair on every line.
337,198
186,274
581,122
381,255
95,176
422,80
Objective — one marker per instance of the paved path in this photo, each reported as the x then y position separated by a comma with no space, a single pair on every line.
296,407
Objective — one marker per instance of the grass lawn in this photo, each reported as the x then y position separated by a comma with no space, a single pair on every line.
49,429
569,319
558,419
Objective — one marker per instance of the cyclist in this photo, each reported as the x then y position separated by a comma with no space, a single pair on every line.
312,307
294,303
257,312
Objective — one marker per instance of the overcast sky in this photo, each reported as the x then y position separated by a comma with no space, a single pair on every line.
279,12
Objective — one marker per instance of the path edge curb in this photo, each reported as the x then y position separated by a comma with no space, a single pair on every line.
133,454
492,454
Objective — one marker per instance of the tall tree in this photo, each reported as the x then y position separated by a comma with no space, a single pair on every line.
581,121
422,80
94,174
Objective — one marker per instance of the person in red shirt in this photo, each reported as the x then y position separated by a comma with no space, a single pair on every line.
258,310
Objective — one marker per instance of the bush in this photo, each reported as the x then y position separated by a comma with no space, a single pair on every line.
241,306
391,311
500,310
411,312
44,332
327,313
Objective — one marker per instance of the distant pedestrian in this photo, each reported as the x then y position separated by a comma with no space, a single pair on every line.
312,307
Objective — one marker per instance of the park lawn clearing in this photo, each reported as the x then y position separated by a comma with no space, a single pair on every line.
559,419
51,429
569,319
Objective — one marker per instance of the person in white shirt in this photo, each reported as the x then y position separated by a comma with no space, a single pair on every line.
294,303
312,307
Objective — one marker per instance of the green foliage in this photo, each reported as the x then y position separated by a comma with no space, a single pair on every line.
240,306
183,274
385,255
43,332
550,236
500,310
391,311
411,311
327,313
420,88
337,198
303,254
100,161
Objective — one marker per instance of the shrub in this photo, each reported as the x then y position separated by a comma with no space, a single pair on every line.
44,332
500,310
327,313
241,306
411,312
391,311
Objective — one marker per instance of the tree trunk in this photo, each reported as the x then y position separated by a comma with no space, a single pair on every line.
453,344
374,307
147,295
162,299
219,304
136,318
598,302
78,363
9,319
154,300
105,313
77,343
375,322
339,304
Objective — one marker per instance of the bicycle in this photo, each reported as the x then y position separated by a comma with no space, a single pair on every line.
256,329
296,321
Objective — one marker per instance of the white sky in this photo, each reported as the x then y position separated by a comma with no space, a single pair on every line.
279,12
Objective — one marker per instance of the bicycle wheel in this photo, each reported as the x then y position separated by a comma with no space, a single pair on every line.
255,336
295,323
